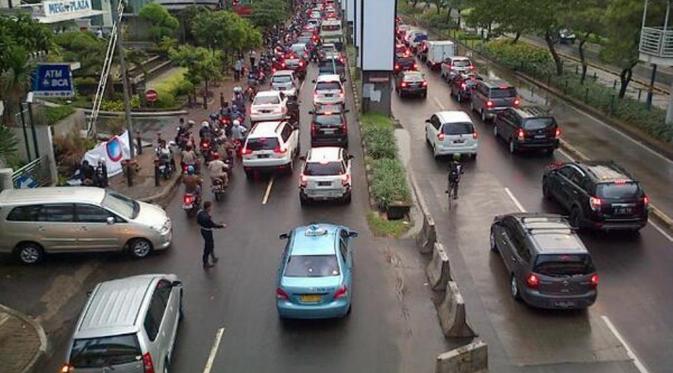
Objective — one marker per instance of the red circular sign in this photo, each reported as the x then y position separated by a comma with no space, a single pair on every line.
151,95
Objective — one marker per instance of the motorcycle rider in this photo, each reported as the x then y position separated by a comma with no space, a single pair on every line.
189,158
205,132
192,182
455,170
237,131
165,155
238,98
217,170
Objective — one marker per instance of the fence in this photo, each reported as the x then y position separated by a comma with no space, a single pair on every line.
35,174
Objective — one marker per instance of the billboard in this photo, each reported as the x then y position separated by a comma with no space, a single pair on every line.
53,79
350,10
378,42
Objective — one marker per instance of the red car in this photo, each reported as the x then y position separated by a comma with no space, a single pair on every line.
401,49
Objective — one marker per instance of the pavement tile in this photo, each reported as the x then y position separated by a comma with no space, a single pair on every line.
19,342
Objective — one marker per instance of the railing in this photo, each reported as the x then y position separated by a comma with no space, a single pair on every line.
657,42
34,174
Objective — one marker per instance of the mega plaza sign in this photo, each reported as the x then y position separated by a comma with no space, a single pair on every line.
66,7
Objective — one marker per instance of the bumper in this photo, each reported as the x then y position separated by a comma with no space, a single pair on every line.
414,91
324,195
266,166
539,145
329,101
491,113
163,241
336,140
456,149
617,225
289,310
266,117
558,302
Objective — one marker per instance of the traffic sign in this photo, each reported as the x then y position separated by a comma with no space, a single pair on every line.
53,79
151,95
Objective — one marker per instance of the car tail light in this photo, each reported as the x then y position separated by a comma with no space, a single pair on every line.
341,292
342,94
301,63
415,66
279,150
314,129
148,366
67,368
475,135
463,86
424,84
471,67
489,103
440,136
646,201
246,151
397,66
303,181
595,203
345,180
281,294
594,280
404,85
557,133
532,281
282,65
517,102
521,135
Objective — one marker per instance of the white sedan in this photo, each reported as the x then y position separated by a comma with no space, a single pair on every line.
268,106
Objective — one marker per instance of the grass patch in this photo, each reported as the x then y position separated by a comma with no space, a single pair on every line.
55,113
382,227
168,87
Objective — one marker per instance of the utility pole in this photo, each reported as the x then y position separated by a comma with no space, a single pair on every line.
127,101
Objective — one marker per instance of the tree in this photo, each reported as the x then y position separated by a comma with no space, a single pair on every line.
15,80
585,18
83,47
225,31
162,22
268,13
8,144
187,16
483,14
202,65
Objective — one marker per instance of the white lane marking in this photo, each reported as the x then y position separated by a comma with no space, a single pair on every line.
268,191
566,155
213,351
639,365
439,104
661,230
516,201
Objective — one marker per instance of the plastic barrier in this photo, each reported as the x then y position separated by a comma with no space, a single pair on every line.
451,313
438,270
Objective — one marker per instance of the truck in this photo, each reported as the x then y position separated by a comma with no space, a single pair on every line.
331,32
438,51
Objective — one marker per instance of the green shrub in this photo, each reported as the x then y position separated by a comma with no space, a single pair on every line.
377,131
389,182
436,21
86,80
403,7
165,101
55,113
383,227
519,56
112,105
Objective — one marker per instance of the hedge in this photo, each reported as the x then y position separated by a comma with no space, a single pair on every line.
55,113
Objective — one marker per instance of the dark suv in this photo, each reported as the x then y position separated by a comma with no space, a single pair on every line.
598,195
405,62
547,263
492,96
531,127
329,126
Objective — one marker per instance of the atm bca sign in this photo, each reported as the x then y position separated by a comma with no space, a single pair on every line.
53,80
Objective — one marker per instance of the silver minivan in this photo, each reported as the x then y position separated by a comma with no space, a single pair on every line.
128,325
34,222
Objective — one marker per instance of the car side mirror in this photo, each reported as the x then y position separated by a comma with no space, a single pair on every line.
343,80
110,220
428,121
283,236
353,234
176,283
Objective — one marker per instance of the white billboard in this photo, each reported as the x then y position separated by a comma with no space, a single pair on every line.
378,40
350,10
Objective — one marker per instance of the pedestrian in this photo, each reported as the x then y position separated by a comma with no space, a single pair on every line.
101,173
207,225
238,66
253,57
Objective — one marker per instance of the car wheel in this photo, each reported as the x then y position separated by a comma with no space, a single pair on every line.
512,146
347,200
483,116
545,190
434,152
514,288
575,217
140,247
166,366
425,94
248,175
495,131
181,312
29,253
491,240
302,200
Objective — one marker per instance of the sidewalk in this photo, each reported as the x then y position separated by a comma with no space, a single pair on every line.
22,341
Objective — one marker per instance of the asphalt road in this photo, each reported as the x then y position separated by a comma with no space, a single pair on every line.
393,326
634,299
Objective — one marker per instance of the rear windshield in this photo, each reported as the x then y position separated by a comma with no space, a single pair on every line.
281,79
503,92
461,63
458,128
299,47
262,143
420,37
328,120
564,264
266,100
105,351
538,123
413,77
324,86
618,191
406,60
324,169
330,27
312,266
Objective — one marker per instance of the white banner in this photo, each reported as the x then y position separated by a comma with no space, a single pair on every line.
114,151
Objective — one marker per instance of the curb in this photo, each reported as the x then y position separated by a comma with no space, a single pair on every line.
40,333
658,215
139,114
159,197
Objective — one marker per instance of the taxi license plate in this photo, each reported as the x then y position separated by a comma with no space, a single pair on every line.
623,210
566,304
310,298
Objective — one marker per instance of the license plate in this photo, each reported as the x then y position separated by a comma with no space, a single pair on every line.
329,132
310,298
567,304
623,210
161,168
540,136
324,183
262,156
328,95
458,141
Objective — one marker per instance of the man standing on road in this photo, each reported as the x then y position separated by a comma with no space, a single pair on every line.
238,67
253,57
207,225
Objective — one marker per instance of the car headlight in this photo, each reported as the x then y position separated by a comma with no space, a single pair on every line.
164,228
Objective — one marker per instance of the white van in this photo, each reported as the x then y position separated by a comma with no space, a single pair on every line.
331,32
439,51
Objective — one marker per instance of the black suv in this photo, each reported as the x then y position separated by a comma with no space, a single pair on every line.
329,126
404,62
547,263
531,127
599,195
492,96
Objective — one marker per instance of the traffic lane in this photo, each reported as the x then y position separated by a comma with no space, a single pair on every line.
523,175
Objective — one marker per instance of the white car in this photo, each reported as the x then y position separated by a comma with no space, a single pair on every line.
284,81
326,175
270,146
329,90
451,132
452,66
268,105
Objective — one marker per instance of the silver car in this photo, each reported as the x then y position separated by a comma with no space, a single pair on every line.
284,81
128,325
34,222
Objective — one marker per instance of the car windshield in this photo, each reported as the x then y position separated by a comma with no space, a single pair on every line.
457,128
564,265
261,143
627,190
324,169
312,266
537,123
266,100
281,79
503,92
330,28
298,48
328,120
329,48
461,63
327,86
105,351
120,204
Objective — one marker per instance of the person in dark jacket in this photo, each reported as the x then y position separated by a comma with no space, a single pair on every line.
207,225
87,173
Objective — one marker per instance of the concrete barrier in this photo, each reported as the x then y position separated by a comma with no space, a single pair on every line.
471,358
438,270
451,313
427,238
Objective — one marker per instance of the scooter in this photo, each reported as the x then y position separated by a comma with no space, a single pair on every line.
191,203
218,188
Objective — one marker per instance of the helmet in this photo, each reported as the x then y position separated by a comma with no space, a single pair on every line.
190,170
238,89
205,124
237,122
214,155
456,157
191,122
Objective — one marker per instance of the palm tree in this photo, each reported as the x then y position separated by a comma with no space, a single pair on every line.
8,144
15,80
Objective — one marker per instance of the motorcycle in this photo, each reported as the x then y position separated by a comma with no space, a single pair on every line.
218,188
250,92
191,203
206,148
